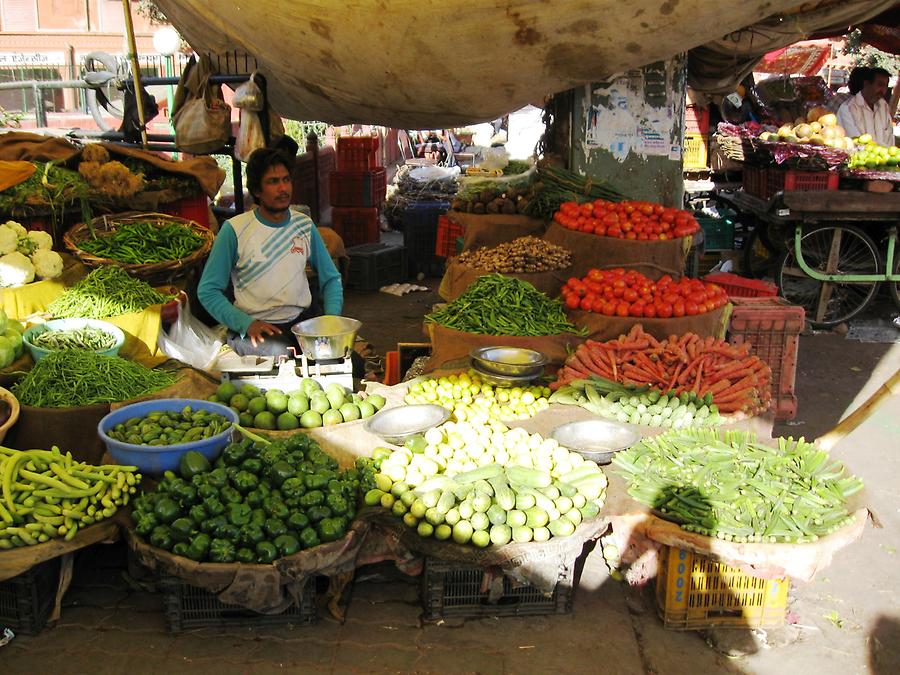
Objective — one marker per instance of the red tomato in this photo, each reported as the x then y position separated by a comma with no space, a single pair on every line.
622,309
573,302
664,310
678,308
650,310
691,308
636,309
581,290
609,309
630,295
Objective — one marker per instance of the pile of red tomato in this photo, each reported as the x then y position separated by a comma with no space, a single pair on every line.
643,221
618,292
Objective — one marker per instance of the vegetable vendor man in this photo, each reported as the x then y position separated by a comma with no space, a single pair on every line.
262,254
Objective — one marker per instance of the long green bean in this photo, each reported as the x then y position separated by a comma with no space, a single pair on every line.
499,305
143,242
107,291
734,488
93,339
78,378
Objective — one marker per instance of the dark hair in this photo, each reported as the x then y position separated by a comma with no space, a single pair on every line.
876,72
857,77
262,160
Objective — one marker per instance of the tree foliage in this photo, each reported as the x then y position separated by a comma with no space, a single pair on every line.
865,55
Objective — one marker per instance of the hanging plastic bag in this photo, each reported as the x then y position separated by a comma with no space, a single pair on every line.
190,341
250,137
249,96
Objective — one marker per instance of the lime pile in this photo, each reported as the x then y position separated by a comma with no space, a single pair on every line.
870,155
473,400
309,407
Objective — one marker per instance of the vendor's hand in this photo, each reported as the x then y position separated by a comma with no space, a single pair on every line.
259,329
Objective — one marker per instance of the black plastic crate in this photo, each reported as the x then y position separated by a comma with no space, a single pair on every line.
27,600
420,224
375,265
454,590
188,607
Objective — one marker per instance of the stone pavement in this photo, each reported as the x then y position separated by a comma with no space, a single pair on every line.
847,621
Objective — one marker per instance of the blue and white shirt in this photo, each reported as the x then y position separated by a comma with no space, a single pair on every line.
266,264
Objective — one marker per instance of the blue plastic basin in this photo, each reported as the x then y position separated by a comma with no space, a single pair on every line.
155,459
37,353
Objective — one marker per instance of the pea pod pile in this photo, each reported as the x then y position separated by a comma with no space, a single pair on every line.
78,378
262,501
639,405
106,291
499,305
142,242
486,484
48,495
92,339
734,488
169,428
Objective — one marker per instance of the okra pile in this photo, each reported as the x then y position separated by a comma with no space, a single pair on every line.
46,495
735,488
486,485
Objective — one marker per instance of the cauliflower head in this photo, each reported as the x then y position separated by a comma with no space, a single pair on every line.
15,270
17,228
41,239
9,240
47,264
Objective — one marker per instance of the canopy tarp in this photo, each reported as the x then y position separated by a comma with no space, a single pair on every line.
431,63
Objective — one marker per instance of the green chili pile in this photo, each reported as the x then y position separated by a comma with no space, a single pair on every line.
499,305
93,339
142,242
78,378
733,488
107,291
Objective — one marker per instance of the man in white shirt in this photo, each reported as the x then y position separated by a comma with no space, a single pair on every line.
868,111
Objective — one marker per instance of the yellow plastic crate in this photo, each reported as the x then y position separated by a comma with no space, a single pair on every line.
696,151
694,592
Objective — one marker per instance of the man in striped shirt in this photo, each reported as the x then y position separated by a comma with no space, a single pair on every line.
263,255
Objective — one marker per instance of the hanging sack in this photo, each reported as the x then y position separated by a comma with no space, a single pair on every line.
202,119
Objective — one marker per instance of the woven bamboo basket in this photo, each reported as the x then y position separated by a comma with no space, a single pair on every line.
158,273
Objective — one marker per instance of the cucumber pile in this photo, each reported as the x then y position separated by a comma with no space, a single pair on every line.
487,485
645,407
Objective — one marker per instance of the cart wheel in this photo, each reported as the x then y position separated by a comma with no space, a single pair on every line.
894,286
835,250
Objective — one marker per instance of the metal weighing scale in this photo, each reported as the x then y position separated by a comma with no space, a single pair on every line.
325,346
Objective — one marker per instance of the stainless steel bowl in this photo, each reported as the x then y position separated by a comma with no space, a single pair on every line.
395,425
509,361
326,337
505,380
595,440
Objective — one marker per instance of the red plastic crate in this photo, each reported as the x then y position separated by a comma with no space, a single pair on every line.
772,326
355,225
357,153
448,232
742,287
357,188
765,182
194,208
696,119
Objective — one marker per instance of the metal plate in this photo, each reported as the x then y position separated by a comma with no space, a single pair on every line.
596,440
395,425
509,361
505,380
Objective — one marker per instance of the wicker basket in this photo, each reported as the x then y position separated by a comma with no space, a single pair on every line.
159,273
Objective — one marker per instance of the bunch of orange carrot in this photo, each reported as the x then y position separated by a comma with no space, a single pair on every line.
738,380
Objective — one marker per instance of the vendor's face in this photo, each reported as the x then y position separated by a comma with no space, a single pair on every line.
872,91
276,189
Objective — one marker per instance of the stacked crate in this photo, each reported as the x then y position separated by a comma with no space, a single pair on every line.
357,190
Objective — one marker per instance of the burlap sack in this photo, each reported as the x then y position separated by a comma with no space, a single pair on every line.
491,229
70,429
601,327
450,348
651,258
458,278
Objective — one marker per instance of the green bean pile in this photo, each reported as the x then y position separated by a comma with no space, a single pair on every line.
93,339
78,377
107,291
736,489
143,242
499,305
170,428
